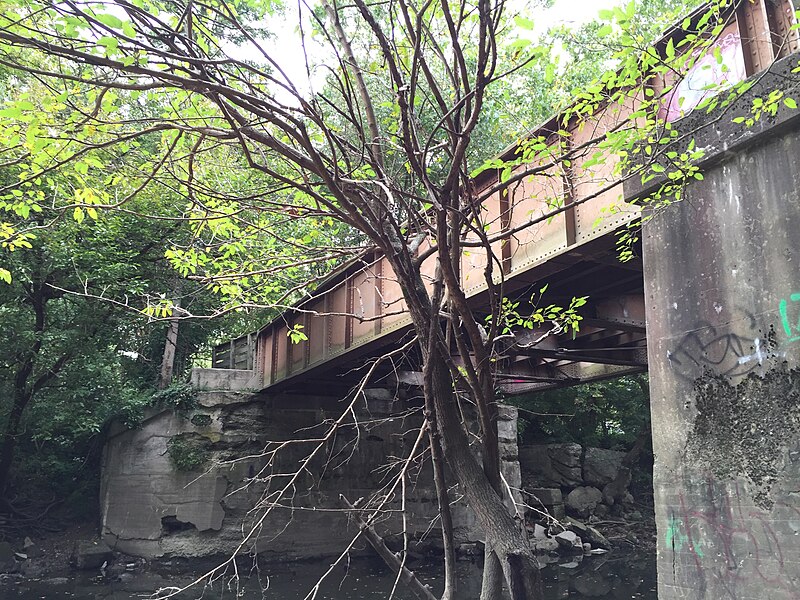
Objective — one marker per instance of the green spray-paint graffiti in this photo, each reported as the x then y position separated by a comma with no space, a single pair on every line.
676,538
792,331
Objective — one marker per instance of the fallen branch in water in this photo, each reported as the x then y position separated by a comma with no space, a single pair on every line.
390,558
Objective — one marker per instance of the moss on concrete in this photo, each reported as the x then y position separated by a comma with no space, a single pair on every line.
744,429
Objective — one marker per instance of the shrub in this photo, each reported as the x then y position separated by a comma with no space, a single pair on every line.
180,397
188,452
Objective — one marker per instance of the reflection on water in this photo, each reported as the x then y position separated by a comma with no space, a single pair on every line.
611,577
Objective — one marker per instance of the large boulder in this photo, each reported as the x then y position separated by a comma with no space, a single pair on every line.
600,466
617,490
537,472
546,496
539,532
545,545
546,500
551,465
569,542
582,501
566,462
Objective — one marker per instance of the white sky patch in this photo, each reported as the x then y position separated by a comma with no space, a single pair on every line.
572,12
285,47
288,47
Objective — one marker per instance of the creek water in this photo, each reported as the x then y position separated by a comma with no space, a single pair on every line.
609,577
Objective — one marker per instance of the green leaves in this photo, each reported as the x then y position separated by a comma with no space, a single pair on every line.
512,316
670,49
109,20
18,109
111,44
605,30
523,23
115,22
296,335
161,309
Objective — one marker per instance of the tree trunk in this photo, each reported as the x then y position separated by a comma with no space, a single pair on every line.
10,433
513,553
168,358
443,498
492,584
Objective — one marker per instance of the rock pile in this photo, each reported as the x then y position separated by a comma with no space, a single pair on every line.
567,537
568,479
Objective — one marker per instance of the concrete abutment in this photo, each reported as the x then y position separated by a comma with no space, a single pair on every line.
152,509
722,284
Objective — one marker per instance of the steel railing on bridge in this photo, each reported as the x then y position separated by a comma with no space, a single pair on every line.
236,354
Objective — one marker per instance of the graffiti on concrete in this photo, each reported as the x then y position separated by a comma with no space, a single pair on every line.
792,330
718,540
716,348
677,537
738,347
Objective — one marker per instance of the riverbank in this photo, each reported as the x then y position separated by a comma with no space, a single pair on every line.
48,568
612,576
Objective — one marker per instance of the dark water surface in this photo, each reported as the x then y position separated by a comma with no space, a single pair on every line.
608,577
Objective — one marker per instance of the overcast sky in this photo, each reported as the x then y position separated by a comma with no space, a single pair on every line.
575,12
286,49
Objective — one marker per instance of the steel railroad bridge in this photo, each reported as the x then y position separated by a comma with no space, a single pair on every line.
359,311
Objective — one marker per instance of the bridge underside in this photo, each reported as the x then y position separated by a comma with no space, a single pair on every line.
723,315
611,340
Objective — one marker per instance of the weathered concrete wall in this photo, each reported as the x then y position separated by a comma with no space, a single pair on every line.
723,322
151,509
233,380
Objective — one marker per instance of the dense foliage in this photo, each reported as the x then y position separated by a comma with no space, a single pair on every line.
607,414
